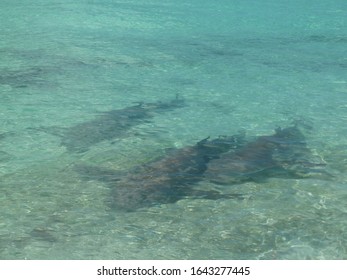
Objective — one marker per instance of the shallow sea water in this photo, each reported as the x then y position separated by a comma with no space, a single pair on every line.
239,65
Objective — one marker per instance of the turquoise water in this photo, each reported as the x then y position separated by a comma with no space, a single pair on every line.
239,65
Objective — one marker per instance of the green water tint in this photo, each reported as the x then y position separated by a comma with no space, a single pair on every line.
224,160
167,179
110,125
239,65
284,153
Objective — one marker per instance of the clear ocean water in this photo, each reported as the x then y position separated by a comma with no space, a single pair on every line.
247,66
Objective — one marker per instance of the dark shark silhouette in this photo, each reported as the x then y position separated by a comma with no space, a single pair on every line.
109,125
283,154
165,180
225,160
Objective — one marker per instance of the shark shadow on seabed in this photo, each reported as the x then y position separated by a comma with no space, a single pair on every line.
165,180
109,125
283,154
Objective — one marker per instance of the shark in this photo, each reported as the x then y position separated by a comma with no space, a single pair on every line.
167,179
225,160
282,154
109,125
